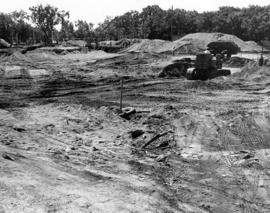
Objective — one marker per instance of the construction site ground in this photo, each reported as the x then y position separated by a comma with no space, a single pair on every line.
191,146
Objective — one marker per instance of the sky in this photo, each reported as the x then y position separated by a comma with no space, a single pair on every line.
95,11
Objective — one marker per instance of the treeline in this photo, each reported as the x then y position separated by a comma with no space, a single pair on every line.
251,23
40,26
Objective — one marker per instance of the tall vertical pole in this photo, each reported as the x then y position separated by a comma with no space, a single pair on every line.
33,41
52,38
172,24
17,40
121,95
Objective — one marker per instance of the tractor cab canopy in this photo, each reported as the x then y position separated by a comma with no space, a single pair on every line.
228,47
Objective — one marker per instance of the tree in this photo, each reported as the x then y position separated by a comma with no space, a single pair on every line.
46,18
104,30
127,25
256,22
6,25
84,30
67,30
205,22
153,22
182,21
21,30
251,23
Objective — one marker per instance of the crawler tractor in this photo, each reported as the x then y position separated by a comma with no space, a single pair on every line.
206,65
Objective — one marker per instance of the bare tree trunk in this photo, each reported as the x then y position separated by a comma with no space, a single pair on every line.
171,24
17,40
33,37
12,39
52,37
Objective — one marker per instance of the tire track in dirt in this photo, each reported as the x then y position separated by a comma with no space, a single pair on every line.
229,162
245,204
250,140
193,134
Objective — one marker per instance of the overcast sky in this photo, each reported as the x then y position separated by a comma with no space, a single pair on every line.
95,11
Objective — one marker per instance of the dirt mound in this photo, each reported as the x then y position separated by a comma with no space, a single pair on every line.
14,72
253,45
90,56
20,72
58,49
154,46
162,46
185,47
191,44
99,54
252,71
51,53
4,43
37,55
134,40
18,56
76,43
200,40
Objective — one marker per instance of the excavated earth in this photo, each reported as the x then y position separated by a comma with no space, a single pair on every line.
195,147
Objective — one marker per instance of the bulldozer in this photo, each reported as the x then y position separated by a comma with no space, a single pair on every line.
207,65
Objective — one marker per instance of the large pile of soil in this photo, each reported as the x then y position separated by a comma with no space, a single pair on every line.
191,44
58,49
252,71
162,46
76,43
40,55
152,46
4,43
200,40
20,72
18,56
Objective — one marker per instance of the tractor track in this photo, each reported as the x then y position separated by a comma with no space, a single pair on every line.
229,162
249,141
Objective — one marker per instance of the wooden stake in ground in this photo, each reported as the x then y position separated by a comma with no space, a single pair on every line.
121,95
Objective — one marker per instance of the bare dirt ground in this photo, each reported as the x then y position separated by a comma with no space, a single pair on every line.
190,146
